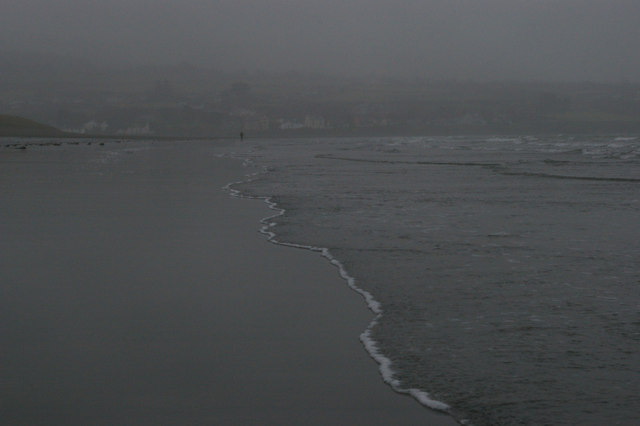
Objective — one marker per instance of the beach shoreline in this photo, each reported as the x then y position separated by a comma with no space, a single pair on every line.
138,291
384,364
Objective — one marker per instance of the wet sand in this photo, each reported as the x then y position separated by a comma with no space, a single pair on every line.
135,291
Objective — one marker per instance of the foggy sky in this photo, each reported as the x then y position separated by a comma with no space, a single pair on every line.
596,40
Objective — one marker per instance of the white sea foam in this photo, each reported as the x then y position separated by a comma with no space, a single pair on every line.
503,139
384,363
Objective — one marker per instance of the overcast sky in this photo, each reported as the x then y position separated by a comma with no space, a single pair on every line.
596,40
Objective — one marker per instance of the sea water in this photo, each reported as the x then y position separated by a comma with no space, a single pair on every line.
504,271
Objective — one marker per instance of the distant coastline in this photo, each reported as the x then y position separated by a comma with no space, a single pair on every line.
181,102
12,126
15,126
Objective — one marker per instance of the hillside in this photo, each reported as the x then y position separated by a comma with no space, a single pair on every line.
18,126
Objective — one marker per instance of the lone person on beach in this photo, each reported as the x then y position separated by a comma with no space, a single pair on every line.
241,135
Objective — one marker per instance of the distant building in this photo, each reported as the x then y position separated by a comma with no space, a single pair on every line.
290,124
314,122
92,127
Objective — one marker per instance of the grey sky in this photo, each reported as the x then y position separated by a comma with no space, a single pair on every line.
479,39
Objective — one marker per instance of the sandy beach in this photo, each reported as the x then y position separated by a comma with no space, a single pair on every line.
134,290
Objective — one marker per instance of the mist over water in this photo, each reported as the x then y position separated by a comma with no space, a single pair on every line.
506,268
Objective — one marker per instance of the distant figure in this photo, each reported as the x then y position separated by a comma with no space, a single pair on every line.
241,136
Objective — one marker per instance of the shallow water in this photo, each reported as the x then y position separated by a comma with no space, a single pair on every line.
507,269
